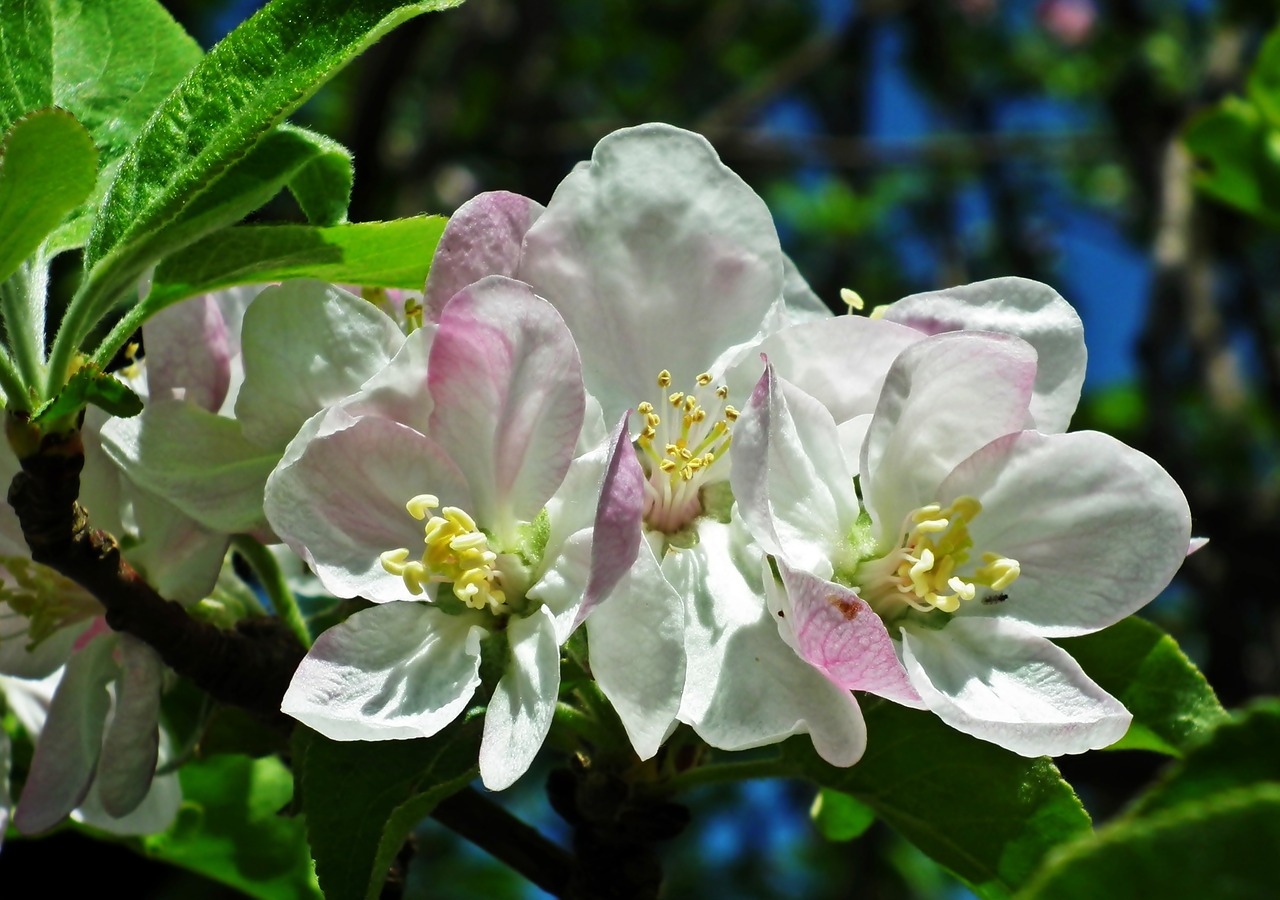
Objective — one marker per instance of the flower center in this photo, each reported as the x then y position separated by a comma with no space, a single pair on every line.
456,553
930,569
680,441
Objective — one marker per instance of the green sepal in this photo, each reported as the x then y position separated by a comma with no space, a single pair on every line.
87,386
362,799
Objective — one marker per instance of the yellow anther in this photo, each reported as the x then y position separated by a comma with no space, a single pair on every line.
664,379
667,465
690,403
963,589
653,420
704,379
644,408
851,299
676,399
731,413
419,505
723,391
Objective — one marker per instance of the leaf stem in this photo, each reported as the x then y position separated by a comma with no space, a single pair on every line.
20,297
274,583
15,392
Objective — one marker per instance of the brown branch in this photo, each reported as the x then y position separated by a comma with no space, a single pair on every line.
249,667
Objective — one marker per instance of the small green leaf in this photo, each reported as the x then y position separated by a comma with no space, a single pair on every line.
47,169
26,59
1144,669
840,817
233,827
362,799
1263,87
1231,143
988,815
249,82
371,254
1239,753
88,385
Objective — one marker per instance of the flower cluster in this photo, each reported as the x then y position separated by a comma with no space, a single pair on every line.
625,413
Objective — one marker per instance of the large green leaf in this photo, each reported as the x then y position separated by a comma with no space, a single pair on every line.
47,169
1241,752
1208,829
1238,158
233,828
372,254
1144,669
26,59
988,815
250,81
363,799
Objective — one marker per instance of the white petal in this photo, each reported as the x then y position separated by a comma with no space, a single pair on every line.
789,476
399,391
1028,309
1097,527
507,386
395,671
840,361
944,398
341,502
636,642
524,701
803,305
306,345
6,801
1002,684
196,460
658,257
744,687
132,741
70,744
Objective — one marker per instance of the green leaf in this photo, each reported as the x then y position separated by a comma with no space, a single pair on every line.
1239,753
1223,847
988,815
88,385
371,254
362,799
249,82
1237,160
1263,86
840,817
26,59
231,829
1144,669
47,169
280,158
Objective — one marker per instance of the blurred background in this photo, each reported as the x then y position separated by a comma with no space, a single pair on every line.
902,146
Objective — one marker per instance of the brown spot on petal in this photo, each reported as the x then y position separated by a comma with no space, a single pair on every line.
847,608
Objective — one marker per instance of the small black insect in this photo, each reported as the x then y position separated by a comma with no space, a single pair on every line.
993,599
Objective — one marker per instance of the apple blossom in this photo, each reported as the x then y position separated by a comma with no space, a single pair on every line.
484,413
966,543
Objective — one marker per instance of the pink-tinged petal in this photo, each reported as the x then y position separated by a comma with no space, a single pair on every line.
789,476
1097,527
132,742
658,257
1000,683
619,519
507,385
70,744
156,812
744,686
636,642
392,672
196,460
519,715
189,353
306,345
339,502
482,238
176,555
840,361
835,630
1027,309
944,398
